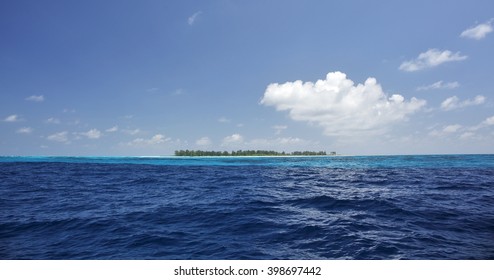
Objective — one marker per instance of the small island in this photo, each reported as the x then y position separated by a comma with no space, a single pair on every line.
241,153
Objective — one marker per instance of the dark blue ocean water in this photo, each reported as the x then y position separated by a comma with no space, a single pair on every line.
384,207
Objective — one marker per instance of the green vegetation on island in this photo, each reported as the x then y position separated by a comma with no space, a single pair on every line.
199,153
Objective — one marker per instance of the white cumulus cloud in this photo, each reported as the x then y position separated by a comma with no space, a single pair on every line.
440,85
36,98
453,102
478,32
339,106
431,58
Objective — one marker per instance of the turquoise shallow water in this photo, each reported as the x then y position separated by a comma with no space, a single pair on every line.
355,207
428,161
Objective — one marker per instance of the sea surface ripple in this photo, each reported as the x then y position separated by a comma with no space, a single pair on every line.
396,207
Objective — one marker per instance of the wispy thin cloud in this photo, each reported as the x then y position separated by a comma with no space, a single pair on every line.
152,90
431,58
451,128
12,118
440,85
485,123
448,129
454,102
233,139
178,92
467,135
279,128
52,121
279,143
112,129
224,120
155,140
478,32
36,98
193,18
489,121
24,130
61,137
132,131
92,134
204,142
463,132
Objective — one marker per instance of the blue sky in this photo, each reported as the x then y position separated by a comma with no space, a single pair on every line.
150,77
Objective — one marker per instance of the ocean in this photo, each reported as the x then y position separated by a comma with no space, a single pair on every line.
236,208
